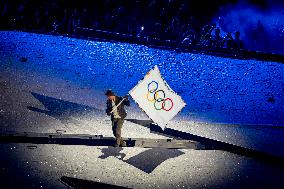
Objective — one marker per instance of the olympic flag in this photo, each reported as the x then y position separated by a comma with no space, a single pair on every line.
156,98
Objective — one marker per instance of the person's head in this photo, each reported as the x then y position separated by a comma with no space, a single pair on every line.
217,31
110,95
237,34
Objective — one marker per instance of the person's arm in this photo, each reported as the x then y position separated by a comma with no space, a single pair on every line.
121,102
109,109
126,101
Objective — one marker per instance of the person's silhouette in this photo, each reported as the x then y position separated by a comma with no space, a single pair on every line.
217,39
238,43
229,41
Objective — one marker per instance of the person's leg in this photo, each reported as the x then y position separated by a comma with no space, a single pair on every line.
114,126
119,139
114,131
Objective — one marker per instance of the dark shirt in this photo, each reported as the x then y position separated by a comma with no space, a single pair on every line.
120,109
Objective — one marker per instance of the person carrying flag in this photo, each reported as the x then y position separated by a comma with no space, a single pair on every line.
115,109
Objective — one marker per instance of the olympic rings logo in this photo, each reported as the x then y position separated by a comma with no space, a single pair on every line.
158,97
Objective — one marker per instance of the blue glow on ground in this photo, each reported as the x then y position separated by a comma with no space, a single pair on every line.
216,89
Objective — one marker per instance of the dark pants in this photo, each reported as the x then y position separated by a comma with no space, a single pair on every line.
116,129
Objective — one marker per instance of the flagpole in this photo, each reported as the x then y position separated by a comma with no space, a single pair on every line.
117,105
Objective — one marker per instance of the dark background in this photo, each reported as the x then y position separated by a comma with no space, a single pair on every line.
260,23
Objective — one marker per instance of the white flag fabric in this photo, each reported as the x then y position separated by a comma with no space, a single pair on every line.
156,98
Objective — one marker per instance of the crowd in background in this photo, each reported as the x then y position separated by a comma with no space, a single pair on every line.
165,20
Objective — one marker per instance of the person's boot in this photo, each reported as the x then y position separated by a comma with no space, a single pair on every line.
117,143
123,144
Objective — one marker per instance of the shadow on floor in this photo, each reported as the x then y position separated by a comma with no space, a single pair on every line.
150,159
112,152
61,109
146,161
211,144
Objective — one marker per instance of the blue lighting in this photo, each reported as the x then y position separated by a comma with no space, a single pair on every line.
216,89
